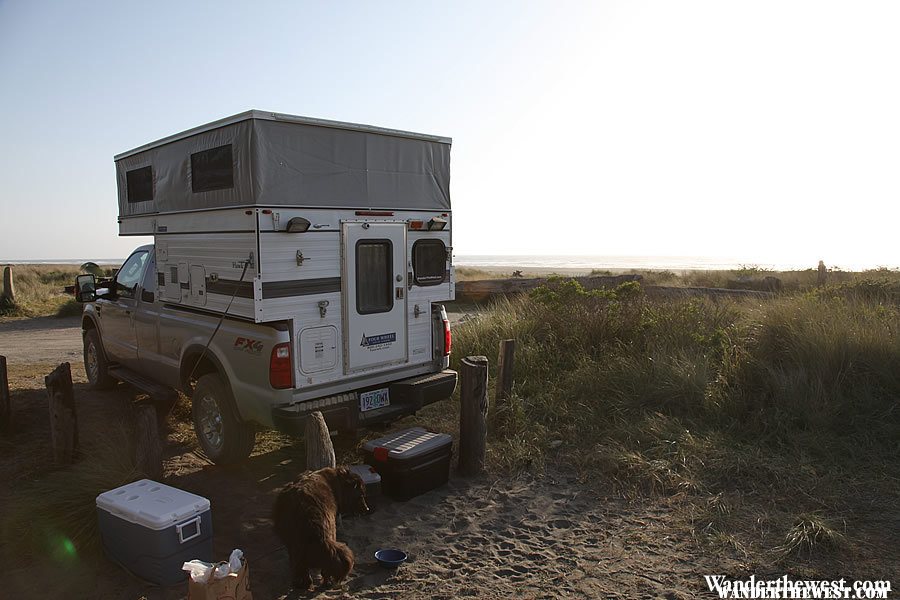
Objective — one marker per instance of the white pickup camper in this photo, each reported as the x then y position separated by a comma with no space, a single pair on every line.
298,265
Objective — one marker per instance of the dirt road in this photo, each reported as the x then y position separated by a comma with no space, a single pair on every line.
41,340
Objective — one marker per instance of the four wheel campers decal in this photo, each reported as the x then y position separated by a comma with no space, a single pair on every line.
377,342
247,345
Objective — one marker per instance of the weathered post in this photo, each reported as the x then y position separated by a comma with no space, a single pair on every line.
473,407
319,449
63,420
505,370
5,404
9,290
147,446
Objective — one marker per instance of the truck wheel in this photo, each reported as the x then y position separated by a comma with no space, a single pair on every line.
95,363
224,437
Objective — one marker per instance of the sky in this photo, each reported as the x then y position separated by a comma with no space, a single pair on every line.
764,131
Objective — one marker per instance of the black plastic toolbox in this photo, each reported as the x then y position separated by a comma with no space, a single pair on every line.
410,462
372,481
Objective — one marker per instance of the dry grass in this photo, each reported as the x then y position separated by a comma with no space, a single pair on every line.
750,413
55,515
39,291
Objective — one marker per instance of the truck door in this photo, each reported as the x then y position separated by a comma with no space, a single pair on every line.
374,295
117,315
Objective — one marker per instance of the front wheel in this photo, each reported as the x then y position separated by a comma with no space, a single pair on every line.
95,364
224,437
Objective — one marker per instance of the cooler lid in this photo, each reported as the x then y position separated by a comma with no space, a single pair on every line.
409,443
151,504
368,473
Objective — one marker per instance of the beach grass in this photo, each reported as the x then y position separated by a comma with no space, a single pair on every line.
741,406
39,291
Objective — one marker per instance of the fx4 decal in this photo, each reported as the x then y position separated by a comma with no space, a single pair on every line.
247,345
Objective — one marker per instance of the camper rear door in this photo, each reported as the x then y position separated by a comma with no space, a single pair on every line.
374,288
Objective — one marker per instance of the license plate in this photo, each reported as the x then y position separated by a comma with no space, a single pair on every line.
374,399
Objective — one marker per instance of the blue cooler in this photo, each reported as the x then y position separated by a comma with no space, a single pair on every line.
151,529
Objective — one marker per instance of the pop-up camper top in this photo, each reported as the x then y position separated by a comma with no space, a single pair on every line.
295,217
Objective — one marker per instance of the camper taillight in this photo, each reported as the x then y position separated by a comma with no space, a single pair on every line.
448,338
281,372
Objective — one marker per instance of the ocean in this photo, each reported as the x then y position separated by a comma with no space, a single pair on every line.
670,263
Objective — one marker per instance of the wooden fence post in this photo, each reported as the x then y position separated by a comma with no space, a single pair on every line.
147,446
5,403
9,290
505,370
319,449
473,406
63,419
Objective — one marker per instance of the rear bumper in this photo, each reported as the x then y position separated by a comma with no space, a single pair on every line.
342,412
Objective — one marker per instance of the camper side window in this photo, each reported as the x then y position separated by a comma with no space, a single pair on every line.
374,275
139,185
429,262
212,169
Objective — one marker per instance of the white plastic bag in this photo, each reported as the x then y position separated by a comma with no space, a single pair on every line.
200,571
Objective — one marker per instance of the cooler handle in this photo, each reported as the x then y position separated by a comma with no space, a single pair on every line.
180,528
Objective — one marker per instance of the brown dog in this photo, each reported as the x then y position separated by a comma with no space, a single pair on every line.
304,515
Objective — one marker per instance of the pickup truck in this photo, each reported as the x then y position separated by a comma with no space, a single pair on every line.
238,373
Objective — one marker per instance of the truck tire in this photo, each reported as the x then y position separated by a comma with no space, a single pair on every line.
224,437
95,363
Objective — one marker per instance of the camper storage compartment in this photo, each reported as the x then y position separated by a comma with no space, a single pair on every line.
411,461
372,480
151,529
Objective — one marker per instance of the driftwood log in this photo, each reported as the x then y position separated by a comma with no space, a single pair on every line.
319,449
63,418
9,289
483,289
473,407
5,403
147,445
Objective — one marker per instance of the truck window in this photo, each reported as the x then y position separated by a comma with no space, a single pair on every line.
429,262
212,169
374,276
128,276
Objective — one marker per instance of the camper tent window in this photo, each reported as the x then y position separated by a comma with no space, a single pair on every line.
212,169
374,276
429,262
139,184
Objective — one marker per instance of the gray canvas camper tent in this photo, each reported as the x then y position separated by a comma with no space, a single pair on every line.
268,159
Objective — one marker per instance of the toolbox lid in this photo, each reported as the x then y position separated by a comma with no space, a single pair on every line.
409,443
367,473
151,504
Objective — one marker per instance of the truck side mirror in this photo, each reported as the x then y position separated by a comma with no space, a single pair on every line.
85,288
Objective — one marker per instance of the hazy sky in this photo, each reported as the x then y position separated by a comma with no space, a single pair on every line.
768,131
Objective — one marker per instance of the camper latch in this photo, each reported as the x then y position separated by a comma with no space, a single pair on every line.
323,308
300,258
417,311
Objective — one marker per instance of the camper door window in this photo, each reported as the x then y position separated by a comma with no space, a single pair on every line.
130,273
374,275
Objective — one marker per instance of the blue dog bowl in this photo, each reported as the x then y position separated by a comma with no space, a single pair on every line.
389,558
